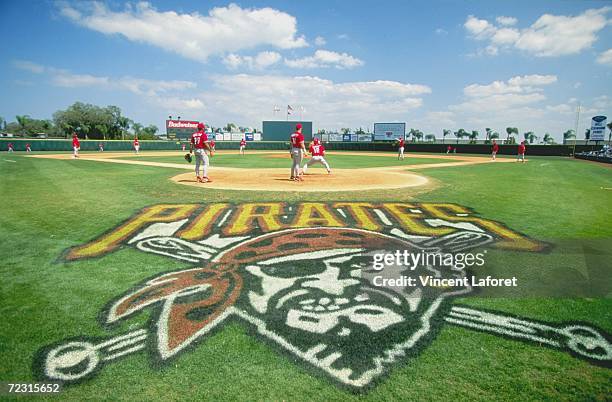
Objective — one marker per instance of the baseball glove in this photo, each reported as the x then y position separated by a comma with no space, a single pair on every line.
188,158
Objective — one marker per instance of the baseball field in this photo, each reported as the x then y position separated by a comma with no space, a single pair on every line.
125,279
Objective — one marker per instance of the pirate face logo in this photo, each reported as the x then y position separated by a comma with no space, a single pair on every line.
310,292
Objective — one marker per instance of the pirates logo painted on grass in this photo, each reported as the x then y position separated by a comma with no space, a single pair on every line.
298,276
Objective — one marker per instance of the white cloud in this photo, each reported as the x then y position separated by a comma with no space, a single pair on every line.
549,36
67,80
441,31
605,58
260,61
178,104
478,28
507,21
320,41
194,36
329,104
515,85
325,58
343,36
29,66
162,93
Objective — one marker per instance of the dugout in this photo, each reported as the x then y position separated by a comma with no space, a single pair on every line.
281,130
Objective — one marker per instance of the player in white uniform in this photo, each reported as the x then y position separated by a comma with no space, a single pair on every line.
400,149
317,150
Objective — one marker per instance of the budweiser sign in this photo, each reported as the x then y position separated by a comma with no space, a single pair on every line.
181,124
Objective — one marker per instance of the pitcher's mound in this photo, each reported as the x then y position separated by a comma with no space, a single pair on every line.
314,180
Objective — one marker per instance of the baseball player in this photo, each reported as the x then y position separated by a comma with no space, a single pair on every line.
100,147
297,151
317,150
242,146
448,149
400,150
521,152
28,147
10,147
199,142
212,145
76,145
183,146
136,145
494,149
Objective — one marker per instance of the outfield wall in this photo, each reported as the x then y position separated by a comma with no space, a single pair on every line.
59,145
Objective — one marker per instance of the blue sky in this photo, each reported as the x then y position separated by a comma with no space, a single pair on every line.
434,65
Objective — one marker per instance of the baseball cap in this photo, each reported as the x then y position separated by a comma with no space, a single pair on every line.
298,126
201,125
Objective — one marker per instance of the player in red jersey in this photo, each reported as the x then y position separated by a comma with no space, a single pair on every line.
28,147
521,152
201,145
448,149
101,147
317,150
212,145
10,147
136,145
242,146
76,145
494,149
400,149
297,152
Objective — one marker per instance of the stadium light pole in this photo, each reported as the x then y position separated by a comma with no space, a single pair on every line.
576,128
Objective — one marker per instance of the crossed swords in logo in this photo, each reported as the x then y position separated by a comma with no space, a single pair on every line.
78,359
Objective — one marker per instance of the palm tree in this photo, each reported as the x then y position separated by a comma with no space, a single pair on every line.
473,135
229,127
430,137
511,131
548,139
23,122
445,132
412,133
418,134
494,135
137,127
487,135
567,135
587,134
529,136
460,134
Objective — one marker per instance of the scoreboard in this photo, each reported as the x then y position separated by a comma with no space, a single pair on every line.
389,131
180,129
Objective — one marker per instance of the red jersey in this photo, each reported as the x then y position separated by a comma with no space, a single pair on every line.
317,150
75,142
242,142
296,139
27,145
212,144
521,149
136,143
401,142
10,145
495,147
198,139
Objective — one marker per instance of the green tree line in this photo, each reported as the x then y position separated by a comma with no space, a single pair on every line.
87,120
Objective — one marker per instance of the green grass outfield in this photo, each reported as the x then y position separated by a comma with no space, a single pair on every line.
51,205
336,160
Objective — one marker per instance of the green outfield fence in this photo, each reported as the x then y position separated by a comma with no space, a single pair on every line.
59,145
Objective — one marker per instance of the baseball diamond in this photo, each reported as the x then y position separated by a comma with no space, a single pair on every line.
295,273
